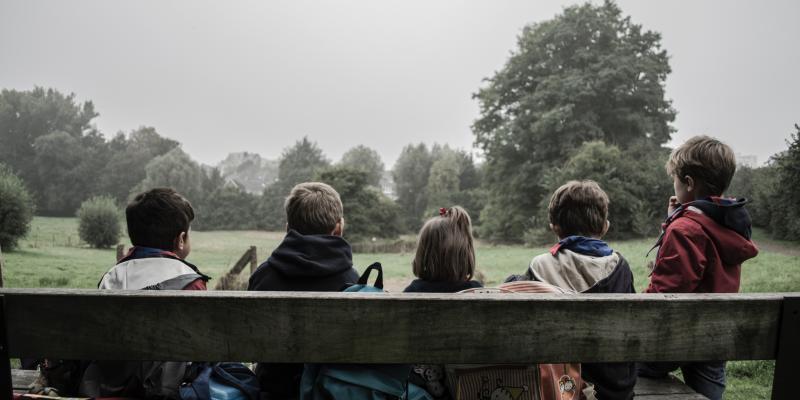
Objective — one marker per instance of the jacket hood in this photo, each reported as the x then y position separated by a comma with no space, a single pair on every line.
729,213
311,256
734,249
583,273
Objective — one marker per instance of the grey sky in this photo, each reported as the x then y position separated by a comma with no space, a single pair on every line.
234,76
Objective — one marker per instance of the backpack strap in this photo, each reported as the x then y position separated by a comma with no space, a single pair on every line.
365,276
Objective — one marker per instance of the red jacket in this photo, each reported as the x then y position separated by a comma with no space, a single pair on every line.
698,255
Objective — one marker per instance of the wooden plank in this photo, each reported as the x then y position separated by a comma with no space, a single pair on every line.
669,385
784,385
390,328
681,396
5,363
2,266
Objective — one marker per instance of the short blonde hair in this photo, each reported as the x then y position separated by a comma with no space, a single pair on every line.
579,208
313,208
445,249
708,161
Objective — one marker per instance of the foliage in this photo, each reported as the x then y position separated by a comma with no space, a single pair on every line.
635,181
228,207
249,170
454,180
176,170
773,191
411,171
298,163
785,200
128,157
16,209
588,74
26,116
368,213
367,160
99,222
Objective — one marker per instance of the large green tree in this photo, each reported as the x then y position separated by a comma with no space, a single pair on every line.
364,159
368,213
587,74
176,170
28,115
128,157
298,163
411,171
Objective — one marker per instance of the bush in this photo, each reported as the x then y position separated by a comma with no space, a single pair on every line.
634,179
16,209
99,220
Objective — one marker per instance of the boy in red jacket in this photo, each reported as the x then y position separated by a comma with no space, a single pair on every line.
704,241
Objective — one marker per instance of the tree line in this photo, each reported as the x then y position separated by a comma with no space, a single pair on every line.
580,97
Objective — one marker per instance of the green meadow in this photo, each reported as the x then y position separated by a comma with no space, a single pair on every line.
53,256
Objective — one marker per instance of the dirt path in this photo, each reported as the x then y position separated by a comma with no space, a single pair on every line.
771,246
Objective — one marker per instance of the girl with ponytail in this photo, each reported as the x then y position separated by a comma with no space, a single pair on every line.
445,258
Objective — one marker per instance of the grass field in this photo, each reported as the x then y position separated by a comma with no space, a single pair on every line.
52,256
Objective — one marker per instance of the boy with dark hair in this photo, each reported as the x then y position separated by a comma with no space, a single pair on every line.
583,263
313,256
158,225
704,241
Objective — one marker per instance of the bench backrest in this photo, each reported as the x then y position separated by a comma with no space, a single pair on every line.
399,328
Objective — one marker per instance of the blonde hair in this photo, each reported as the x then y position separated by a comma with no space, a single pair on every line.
313,208
709,162
445,250
579,208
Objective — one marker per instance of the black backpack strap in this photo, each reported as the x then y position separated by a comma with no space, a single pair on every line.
365,276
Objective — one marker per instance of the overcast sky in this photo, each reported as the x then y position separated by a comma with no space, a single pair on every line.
255,76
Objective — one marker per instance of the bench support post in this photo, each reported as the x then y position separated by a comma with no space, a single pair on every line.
784,384
5,362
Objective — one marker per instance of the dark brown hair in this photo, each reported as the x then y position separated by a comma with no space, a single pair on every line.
579,208
313,208
709,162
445,250
157,217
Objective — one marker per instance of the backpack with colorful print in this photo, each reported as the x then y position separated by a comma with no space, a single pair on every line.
518,382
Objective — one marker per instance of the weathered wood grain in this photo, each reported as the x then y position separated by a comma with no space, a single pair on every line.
669,385
389,328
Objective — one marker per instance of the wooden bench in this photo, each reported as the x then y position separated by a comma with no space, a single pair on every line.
404,328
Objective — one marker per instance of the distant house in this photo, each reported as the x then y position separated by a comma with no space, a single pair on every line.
747,160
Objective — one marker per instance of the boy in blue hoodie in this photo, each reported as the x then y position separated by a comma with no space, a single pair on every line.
312,257
583,263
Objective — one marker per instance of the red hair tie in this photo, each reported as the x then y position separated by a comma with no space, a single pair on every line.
442,212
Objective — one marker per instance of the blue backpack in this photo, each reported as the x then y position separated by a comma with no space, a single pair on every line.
220,381
360,381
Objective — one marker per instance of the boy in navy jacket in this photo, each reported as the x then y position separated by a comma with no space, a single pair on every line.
312,257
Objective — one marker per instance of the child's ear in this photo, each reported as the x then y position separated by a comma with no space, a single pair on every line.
180,242
690,184
605,227
556,230
339,229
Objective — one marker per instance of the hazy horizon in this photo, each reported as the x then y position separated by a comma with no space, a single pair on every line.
255,77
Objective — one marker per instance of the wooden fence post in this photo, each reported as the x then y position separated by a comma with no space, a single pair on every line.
253,259
120,251
784,383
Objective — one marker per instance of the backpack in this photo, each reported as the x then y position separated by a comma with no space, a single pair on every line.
360,381
518,382
220,381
